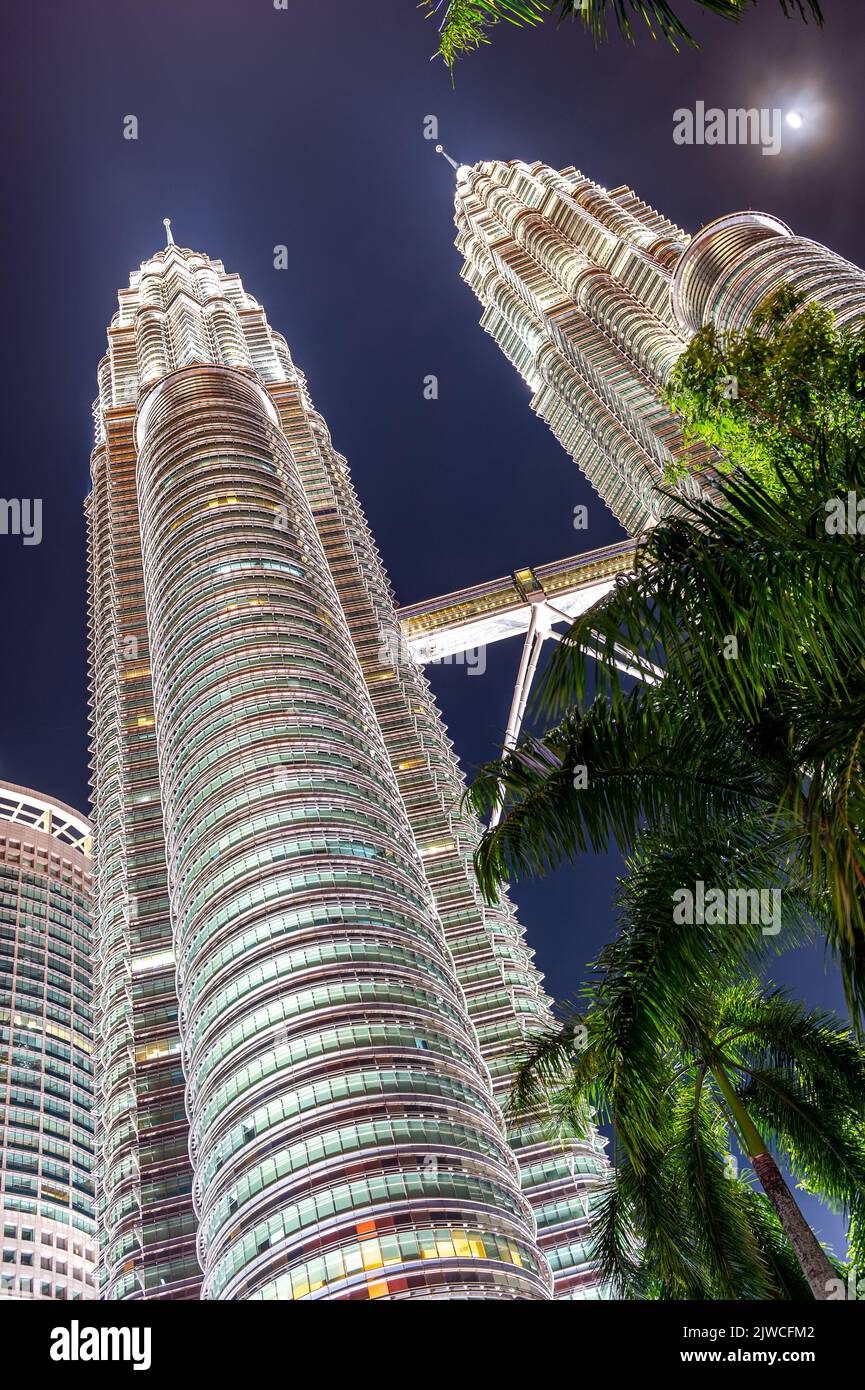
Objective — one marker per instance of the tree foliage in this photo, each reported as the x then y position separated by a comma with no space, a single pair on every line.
753,610
658,1019
763,395
467,24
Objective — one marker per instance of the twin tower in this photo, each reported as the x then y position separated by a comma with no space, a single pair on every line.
307,1017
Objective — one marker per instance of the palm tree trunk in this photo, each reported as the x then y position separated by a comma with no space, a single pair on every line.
806,1247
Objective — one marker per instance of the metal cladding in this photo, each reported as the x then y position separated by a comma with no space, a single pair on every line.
47,1205
736,262
593,296
575,283
308,1016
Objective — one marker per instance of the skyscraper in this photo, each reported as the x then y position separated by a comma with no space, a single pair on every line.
47,1209
593,296
298,984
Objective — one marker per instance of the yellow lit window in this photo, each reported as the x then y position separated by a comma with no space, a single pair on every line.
372,1254
437,847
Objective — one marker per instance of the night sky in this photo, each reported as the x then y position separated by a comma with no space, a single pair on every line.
305,128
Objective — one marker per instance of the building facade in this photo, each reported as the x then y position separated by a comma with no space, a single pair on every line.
593,296
47,1209
307,1016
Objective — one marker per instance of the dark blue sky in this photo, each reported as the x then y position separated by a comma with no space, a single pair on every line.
305,128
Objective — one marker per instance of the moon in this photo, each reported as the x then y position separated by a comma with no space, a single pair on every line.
794,120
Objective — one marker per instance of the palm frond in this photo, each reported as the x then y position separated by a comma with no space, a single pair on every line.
765,1028
646,763
823,1150
465,24
752,608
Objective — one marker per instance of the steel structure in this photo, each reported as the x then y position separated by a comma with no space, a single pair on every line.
531,601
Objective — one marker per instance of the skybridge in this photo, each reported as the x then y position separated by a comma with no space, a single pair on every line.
530,603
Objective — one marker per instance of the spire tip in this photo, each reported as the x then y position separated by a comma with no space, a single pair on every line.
440,149
166,222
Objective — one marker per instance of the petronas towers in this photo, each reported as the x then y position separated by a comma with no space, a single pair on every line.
307,1017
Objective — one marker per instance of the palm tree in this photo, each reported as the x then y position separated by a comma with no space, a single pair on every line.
677,1054
757,728
465,24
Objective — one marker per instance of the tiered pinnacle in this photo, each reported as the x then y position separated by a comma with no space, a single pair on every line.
593,296
277,816
575,284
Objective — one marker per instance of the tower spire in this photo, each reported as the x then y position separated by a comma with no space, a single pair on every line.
440,149
169,239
